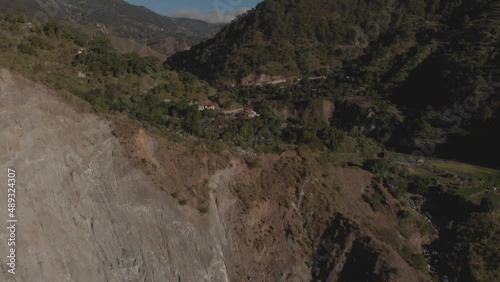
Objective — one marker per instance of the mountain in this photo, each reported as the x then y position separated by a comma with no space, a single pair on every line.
294,38
124,20
281,37
413,55
306,175
201,27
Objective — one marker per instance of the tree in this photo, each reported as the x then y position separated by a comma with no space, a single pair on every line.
486,205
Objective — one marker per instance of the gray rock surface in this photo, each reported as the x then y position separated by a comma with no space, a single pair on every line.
85,212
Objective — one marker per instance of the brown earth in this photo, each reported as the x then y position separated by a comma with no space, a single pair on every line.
319,111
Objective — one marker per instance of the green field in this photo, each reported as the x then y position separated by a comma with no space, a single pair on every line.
485,178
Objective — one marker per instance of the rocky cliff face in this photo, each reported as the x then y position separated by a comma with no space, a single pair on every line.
85,212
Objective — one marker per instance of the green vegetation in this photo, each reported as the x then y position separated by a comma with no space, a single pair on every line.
380,168
411,224
137,86
376,201
475,249
482,181
417,260
302,37
101,58
252,162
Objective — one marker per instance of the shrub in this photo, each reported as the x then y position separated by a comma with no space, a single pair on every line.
402,214
380,168
419,185
416,260
26,48
252,162
203,208
486,205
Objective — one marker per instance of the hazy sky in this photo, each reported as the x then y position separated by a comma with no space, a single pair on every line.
208,10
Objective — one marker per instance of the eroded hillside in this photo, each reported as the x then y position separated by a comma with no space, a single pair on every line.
104,200
86,213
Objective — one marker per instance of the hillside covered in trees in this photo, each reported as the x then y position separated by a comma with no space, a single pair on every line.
285,37
433,64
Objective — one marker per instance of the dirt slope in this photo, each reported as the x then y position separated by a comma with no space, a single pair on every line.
85,213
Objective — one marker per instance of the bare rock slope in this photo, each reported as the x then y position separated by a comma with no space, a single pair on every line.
85,213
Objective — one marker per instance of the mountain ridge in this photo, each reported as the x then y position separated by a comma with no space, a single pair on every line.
295,38
128,21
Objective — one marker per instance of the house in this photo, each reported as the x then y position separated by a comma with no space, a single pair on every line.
206,107
249,113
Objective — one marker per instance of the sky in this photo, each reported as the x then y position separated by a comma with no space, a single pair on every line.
207,10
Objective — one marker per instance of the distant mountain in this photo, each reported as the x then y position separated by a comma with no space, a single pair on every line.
201,27
122,19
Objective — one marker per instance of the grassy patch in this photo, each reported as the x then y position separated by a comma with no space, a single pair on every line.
410,223
482,179
376,201
489,174
416,260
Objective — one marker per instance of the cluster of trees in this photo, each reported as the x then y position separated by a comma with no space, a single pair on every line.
55,29
40,36
468,244
103,59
